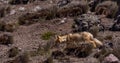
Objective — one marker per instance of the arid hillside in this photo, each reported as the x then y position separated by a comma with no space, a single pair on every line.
50,31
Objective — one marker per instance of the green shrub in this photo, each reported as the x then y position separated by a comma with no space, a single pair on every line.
47,35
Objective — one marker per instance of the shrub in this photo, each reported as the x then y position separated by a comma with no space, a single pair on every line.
27,18
73,9
10,27
94,30
24,58
47,35
6,39
4,9
13,52
49,60
80,50
108,8
42,50
108,37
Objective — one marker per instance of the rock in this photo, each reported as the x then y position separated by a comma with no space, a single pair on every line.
15,2
12,12
51,2
63,2
87,22
111,59
37,8
22,8
63,21
5,1
116,25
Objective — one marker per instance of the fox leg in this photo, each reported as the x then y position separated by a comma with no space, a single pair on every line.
94,45
90,41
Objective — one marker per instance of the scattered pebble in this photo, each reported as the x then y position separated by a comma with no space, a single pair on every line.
37,8
22,8
111,59
12,12
63,21
51,2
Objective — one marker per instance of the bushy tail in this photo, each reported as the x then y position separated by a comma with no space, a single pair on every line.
98,42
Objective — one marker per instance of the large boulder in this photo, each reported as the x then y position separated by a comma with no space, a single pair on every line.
116,25
87,22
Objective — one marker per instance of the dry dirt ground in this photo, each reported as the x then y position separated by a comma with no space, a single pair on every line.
28,37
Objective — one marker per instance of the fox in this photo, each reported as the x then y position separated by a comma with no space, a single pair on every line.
79,37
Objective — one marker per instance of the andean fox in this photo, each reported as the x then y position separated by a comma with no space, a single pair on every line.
79,37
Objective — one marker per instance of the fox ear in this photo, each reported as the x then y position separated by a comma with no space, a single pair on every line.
57,36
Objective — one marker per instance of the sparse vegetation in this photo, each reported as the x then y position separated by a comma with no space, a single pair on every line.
108,8
6,39
4,10
79,50
28,29
73,9
42,50
13,52
51,13
108,37
25,57
49,60
8,26
94,30
47,35
105,51
28,18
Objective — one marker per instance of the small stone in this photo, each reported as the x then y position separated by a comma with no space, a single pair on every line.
51,2
111,59
63,21
19,49
12,12
37,8
22,8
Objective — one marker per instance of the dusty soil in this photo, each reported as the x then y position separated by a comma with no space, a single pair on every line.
28,37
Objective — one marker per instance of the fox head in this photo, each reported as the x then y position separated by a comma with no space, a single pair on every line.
61,38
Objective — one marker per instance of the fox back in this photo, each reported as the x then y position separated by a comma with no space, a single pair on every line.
82,36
